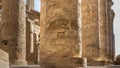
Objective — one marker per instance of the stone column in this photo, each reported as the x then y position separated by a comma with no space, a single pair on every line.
102,30
90,31
79,17
109,25
108,29
31,36
0,12
112,14
111,36
60,34
31,4
13,30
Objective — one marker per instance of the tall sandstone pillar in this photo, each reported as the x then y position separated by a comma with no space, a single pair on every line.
97,31
106,31
110,14
60,34
90,30
13,29
102,30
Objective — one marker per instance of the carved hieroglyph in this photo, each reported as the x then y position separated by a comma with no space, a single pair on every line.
13,30
59,35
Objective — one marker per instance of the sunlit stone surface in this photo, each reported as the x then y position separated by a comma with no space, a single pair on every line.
60,34
13,27
69,30
97,31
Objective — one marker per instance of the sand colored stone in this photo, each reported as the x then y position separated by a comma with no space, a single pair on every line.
32,36
13,28
60,34
4,59
69,30
97,31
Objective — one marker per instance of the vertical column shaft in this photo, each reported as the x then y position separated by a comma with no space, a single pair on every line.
90,30
80,26
13,30
60,33
102,29
31,37
111,34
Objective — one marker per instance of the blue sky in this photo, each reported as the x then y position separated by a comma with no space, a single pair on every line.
116,8
37,5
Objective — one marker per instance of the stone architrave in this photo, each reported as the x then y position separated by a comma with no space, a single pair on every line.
60,34
13,30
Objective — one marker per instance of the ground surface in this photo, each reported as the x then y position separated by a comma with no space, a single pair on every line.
36,66
30,66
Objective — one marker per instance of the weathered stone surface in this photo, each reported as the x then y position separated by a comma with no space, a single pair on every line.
60,39
117,62
111,39
29,66
13,28
102,30
30,4
34,16
106,31
4,59
90,29
113,66
32,36
97,31
66,25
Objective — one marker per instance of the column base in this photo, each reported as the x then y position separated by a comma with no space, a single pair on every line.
81,62
19,63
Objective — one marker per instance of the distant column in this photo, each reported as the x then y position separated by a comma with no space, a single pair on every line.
0,16
32,37
111,15
13,30
31,4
